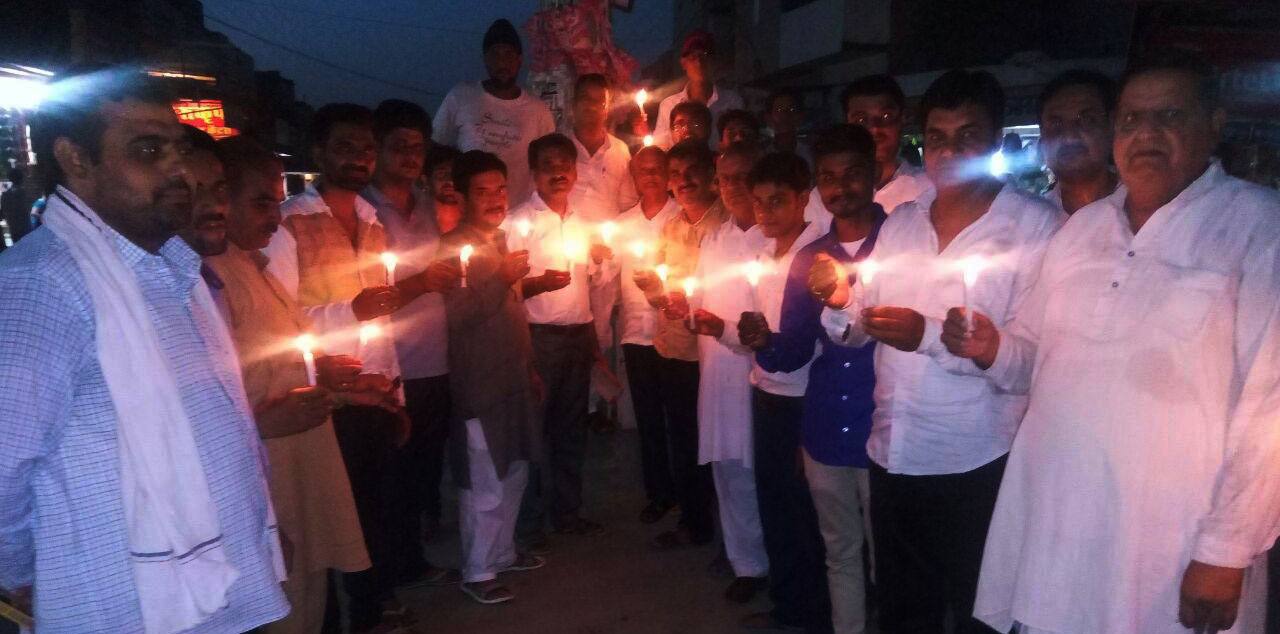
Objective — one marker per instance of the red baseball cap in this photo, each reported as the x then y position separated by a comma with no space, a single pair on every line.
698,40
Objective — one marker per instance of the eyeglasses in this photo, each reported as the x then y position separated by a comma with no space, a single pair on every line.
1083,122
788,109
882,120
687,125
1164,118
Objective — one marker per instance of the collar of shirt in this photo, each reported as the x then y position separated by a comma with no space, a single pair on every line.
831,245
1181,204
585,155
423,208
311,202
715,94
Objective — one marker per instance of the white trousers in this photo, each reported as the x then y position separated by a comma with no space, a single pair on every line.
740,518
487,511
842,498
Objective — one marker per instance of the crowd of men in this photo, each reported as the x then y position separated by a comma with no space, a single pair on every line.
1050,415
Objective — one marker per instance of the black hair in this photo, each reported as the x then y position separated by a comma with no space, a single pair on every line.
1103,85
502,32
199,139
691,109
845,138
469,164
590,79
786,169
241,155
873,86
750,150
793,93
693,150
958,87
1201,71
332,114
439,155
74,111
17,177
393,114
736,114
543,143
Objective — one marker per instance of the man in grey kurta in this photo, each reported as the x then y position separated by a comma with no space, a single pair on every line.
495,393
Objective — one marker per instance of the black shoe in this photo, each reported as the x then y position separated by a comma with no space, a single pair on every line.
744,589
655,511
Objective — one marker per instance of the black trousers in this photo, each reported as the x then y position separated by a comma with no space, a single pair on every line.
644,376
562,356
929,535
366,438
419,466
797,566
1273,590
678,381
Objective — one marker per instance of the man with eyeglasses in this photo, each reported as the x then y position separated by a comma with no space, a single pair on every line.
1143,488
691,120
696,58
1075,137
877,103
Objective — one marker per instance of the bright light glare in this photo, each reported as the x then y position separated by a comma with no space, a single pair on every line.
24,94
999,165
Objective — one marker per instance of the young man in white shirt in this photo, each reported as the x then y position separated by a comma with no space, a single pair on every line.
565,259
696,58
1144,485
639,229
724,386
496,115
939,440
1075,137
780,187
877,103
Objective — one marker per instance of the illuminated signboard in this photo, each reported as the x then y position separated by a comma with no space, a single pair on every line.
206,114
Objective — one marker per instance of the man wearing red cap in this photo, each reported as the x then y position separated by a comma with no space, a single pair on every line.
696,60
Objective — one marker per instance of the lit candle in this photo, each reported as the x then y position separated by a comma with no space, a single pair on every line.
642,96
465,256
606,232
690,285
663,271
867,270
368,332
523,227
305,343
755,270
389,260
971,266
648,140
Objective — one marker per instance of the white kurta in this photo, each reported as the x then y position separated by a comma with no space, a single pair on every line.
1152,435
724,391
637,320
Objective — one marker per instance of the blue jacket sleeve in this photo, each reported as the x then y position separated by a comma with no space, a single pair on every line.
792,345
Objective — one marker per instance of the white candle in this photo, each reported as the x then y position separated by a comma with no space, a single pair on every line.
690,286
465,256
754,270
642,96
972,266
368,332
389,260
305,343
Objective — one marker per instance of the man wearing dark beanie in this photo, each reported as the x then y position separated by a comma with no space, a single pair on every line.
496,115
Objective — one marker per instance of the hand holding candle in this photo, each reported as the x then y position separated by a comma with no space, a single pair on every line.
389,260
690,287
754,270
305,344
465,256
971,267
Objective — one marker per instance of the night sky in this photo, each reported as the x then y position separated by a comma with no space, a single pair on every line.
426,46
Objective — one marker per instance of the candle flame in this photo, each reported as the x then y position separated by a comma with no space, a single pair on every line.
369,332
607,230
389,260
755,270
690,285
523,227
305,343
648,140
638,249
642,96
662,270
972,266
465,254
867,271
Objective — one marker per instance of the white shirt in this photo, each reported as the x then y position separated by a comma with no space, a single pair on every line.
470,118
1153,434
637,320
773,285
722,99
908,183
724,387
336,324
549,236
929,420
604,188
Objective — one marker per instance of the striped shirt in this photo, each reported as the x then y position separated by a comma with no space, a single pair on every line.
62,521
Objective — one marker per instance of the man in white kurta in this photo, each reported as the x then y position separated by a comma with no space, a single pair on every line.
1144,484
695,59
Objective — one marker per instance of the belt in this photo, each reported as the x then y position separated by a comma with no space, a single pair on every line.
557,329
